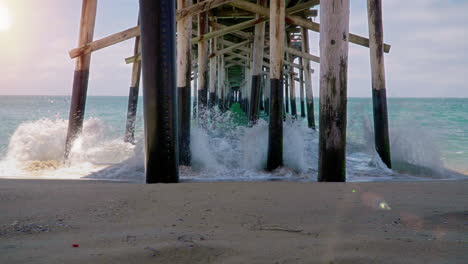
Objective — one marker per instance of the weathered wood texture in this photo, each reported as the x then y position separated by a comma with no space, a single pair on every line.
379,95
184,58
257,65
292,87
228,30
135,31
275,127
213,79
200,7
158,44
202,60
133,96
105,42
230,48
334,39
81,75
301,88
221,77
308,80
299,21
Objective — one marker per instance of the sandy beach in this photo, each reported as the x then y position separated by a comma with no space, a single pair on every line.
51,221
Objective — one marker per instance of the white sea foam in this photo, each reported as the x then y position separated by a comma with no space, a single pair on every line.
220,151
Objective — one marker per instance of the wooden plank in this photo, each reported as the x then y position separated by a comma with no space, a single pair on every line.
198,8
301,54
105,42
230,48
228,30
302,6
299,21
240,34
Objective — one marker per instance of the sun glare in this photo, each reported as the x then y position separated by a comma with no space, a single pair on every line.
5,19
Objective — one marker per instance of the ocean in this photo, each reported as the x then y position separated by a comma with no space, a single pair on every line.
429,140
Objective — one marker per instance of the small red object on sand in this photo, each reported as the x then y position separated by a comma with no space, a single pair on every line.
76,245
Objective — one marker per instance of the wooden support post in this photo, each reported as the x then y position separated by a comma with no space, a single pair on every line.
286,92
379,94
262,92
184,58
195,93
247,79
334,43
221,76
301,87
292,92
267,94
308,81
81,75
202,61
212,82
158,44
257,65
133,96
275,128
226,88
292,82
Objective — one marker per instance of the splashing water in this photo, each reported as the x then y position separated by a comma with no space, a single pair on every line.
221,150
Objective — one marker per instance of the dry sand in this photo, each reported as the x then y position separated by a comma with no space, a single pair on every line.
266,222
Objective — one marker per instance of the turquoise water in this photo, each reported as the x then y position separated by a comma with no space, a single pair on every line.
423,131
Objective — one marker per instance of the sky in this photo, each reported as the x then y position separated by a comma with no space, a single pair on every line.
428,58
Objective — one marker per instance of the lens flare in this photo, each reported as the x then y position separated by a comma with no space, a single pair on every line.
5,19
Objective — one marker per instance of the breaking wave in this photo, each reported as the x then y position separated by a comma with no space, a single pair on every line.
221,151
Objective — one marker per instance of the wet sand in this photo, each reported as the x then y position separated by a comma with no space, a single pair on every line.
264,222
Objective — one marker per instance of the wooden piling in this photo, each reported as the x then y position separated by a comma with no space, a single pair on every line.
81,75
257,65
301,87
379,94
267,94
308,80
158,46
334,42
195,93
133,96
226,88
275,127
202,60
221,76
292,82
286,93
292,95
212,75
184,58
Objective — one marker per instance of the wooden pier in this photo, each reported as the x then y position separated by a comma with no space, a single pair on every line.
199,56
